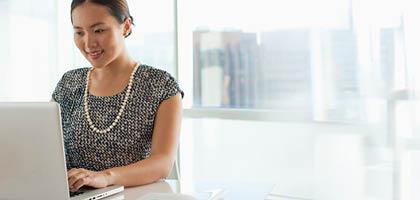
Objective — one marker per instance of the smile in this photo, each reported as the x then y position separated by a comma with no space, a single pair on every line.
95,54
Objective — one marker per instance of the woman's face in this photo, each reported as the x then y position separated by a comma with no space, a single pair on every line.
97,34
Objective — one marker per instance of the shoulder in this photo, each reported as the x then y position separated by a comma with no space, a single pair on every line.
154,77
160,82
73,78
75,75
154,74
70,83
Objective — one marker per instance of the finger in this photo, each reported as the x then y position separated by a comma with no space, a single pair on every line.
81,182
73,175
76,177
73,171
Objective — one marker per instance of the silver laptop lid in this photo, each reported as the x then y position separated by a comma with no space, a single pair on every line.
32,160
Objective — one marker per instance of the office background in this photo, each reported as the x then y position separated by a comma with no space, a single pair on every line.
308,95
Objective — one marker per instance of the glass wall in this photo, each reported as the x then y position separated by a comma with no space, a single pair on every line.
28,50
327,63
37,44
308,96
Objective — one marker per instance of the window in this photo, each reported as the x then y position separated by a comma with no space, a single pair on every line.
152,40
314,60
299,94
27,65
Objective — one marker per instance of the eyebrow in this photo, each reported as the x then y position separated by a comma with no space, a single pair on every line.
96,24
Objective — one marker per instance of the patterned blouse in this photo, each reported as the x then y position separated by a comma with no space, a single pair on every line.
130,140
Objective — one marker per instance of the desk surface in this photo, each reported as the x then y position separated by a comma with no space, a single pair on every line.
202,191
134,193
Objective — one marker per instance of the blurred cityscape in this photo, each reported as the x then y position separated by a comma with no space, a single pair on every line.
286,70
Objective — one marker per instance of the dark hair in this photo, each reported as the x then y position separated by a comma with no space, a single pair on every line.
117,8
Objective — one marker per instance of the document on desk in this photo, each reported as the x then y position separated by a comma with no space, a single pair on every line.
216,194
205,195
166,196
273,197
290,193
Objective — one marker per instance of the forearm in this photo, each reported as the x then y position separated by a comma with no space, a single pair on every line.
142,172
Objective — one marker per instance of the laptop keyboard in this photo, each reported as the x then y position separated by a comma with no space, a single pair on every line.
72,194
81,190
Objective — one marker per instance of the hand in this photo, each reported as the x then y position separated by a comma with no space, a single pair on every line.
83,177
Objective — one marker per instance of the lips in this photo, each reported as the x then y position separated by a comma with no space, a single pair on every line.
94,55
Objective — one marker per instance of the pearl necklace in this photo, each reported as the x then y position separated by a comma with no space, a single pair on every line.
114,123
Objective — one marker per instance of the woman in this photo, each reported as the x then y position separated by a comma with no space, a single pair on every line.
121,119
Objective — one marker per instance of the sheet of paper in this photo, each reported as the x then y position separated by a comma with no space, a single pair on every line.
166,196
298,192
215,194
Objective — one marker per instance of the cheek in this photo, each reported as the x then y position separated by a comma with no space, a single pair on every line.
79,43
114,41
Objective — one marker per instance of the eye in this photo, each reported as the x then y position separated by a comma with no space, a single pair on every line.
99,30
78,33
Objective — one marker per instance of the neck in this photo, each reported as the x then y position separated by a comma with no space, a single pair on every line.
121,65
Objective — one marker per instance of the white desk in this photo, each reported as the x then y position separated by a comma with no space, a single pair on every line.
232,191
134,193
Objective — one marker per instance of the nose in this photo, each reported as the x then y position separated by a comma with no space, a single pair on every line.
91,42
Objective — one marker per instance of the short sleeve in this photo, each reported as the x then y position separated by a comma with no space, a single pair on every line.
57,94
170,87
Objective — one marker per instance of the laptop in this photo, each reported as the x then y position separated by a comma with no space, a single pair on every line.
32,160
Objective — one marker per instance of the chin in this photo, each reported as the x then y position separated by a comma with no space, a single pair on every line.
97,63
